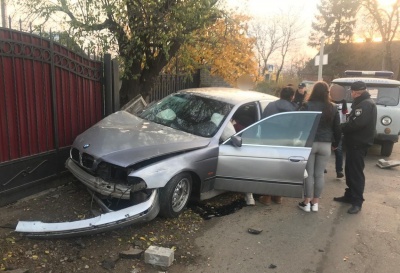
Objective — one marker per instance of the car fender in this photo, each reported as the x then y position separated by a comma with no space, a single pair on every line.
203,162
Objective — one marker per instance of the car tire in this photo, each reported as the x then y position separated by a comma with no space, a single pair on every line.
175,195
386,148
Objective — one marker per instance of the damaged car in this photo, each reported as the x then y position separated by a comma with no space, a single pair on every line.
196,143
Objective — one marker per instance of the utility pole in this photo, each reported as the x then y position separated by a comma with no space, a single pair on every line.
3,13
321,58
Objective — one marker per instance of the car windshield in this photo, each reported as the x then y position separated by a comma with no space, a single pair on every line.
382,95
190,113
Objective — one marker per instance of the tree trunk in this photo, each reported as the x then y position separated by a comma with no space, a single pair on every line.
388,56
130,88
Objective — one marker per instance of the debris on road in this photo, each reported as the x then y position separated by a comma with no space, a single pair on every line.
254,231
383,164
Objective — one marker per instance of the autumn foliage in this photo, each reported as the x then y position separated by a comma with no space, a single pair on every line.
224,47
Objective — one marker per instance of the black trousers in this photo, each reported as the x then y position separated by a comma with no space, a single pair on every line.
354,172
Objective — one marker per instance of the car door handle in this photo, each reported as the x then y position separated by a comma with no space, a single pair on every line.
296,158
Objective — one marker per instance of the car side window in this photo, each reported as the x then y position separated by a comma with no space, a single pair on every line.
284,129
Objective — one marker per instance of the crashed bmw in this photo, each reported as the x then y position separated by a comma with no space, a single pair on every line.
194,143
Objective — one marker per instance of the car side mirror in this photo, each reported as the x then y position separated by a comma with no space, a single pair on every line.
236,141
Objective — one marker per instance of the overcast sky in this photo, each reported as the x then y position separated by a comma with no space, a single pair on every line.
261,9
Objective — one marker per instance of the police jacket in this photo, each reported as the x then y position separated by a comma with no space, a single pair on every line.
278,106
299,98
328,130
359,130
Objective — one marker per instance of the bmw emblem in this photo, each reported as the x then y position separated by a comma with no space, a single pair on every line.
86,146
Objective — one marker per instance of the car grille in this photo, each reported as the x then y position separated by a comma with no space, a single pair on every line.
111,173
75,154
87,160
104,170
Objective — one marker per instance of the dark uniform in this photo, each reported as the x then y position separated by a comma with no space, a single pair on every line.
359,132
300,98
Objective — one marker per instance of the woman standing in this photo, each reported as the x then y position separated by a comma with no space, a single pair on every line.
326,139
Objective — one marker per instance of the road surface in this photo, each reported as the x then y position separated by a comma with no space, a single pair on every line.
329,241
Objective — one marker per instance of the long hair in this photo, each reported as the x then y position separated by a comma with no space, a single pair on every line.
320,93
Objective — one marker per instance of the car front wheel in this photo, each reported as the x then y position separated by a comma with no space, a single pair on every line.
175,195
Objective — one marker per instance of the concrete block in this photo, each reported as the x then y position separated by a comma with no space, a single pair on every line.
383,164
159,256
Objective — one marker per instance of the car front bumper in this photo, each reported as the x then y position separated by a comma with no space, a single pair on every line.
384,137
97,184
139,213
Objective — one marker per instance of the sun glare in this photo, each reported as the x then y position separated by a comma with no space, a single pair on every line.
386,2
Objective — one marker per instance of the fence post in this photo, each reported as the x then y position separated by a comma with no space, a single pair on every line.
116,85
108,96
54,99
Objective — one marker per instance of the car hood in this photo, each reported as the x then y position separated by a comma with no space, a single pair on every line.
124,139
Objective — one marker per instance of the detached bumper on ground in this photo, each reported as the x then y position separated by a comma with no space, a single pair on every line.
139,213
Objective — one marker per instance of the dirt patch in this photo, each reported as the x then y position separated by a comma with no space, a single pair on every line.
100,252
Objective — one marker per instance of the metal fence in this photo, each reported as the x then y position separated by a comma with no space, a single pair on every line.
48,95
168,84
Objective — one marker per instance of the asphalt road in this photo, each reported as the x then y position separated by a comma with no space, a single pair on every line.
330,240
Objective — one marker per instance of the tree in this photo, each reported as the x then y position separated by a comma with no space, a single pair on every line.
290,29
335,20
267,37
147,33
387,22
224,47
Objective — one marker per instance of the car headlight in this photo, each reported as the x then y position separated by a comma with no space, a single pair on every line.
386,121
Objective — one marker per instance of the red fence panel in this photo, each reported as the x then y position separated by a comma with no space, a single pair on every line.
48,95
27,65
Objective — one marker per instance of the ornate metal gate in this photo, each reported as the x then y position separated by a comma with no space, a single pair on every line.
48,95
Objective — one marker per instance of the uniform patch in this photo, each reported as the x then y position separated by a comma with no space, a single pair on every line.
358,112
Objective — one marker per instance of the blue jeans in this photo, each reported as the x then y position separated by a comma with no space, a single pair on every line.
339,157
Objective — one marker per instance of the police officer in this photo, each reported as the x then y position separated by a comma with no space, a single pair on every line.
359,132
300,95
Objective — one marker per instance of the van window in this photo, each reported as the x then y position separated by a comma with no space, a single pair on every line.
382,95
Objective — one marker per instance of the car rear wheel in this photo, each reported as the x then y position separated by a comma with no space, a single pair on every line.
386,148
175,195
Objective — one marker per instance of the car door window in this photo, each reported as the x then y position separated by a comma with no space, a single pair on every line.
284,129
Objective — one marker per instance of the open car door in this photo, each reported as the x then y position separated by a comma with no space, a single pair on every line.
270,156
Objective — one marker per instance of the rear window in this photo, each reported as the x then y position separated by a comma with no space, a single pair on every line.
382,95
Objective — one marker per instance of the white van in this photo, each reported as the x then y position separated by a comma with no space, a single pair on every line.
386,94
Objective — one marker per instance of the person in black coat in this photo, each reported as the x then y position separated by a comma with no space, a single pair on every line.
284,104
326,139
359,133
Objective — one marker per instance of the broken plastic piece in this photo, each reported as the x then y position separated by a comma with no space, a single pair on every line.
254,231
139,213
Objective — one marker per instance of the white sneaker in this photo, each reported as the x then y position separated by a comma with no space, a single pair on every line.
314,207
249,199
305,207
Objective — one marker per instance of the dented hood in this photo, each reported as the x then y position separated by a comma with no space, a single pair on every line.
124,139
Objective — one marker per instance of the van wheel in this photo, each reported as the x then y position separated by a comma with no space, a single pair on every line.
386,148
175,195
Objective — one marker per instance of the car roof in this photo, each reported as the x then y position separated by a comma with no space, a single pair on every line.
367,80
229,95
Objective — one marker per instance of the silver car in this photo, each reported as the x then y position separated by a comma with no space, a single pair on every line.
194,143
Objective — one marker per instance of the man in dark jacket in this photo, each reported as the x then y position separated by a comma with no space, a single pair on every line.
359,132
284,104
